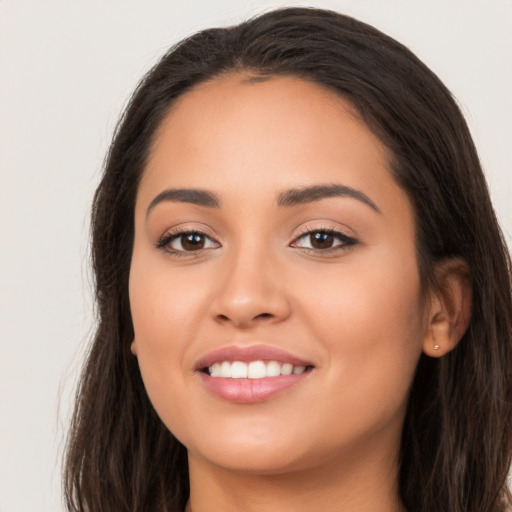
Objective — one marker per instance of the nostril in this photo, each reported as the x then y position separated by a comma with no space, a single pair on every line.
264,315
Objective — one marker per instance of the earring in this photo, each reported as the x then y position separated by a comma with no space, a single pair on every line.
436,347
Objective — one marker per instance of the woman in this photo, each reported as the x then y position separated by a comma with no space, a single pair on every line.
304,297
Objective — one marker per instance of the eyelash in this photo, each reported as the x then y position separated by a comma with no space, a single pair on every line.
164,242
346,241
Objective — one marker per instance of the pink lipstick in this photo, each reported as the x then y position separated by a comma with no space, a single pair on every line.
251,374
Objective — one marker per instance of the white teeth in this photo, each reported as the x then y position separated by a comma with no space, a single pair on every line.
225,369
238,370
273,369
215,370
257,370
287,369
253,370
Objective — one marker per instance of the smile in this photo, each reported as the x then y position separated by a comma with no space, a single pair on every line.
251,374
253,370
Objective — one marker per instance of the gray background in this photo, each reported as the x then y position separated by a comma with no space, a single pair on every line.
66,70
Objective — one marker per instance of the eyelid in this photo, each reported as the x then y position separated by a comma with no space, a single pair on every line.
171,234
347,241
163,242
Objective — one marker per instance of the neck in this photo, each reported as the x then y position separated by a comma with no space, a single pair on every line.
355,484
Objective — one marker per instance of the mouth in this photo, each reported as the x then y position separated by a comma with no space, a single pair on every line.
258,369
251,374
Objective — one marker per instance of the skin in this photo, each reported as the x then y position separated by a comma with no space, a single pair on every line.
356,312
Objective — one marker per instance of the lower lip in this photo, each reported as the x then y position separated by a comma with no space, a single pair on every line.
249,391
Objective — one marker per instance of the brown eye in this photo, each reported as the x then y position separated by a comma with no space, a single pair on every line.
184,241
321,240
192,241
324,240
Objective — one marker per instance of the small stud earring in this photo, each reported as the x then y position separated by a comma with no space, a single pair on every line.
436,347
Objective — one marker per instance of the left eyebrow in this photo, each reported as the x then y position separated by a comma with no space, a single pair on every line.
304,195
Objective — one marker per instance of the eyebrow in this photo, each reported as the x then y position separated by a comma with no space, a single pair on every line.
292,197
304,195
186,195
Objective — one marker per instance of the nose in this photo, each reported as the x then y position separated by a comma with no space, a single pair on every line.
250,292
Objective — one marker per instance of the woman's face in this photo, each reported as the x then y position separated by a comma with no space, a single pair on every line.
270,238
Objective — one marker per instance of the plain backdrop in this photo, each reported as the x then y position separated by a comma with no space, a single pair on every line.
66,70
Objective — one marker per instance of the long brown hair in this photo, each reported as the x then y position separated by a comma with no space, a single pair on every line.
456,443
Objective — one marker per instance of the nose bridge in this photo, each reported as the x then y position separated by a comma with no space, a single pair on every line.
249,286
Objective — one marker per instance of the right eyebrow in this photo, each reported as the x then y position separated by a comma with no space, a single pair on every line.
186,195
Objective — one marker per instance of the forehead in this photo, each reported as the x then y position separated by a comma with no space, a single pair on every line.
234,133
283,109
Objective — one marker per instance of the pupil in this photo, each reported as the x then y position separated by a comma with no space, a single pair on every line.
321,240
193,241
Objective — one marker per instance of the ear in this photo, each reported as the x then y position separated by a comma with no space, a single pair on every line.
133,347
450,309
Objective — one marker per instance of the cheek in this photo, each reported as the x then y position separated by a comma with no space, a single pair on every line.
165,313
165,305
379,294
369,317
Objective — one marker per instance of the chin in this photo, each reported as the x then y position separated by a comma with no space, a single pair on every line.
253,455
256,462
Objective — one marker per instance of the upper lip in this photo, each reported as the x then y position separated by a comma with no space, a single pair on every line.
249,353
